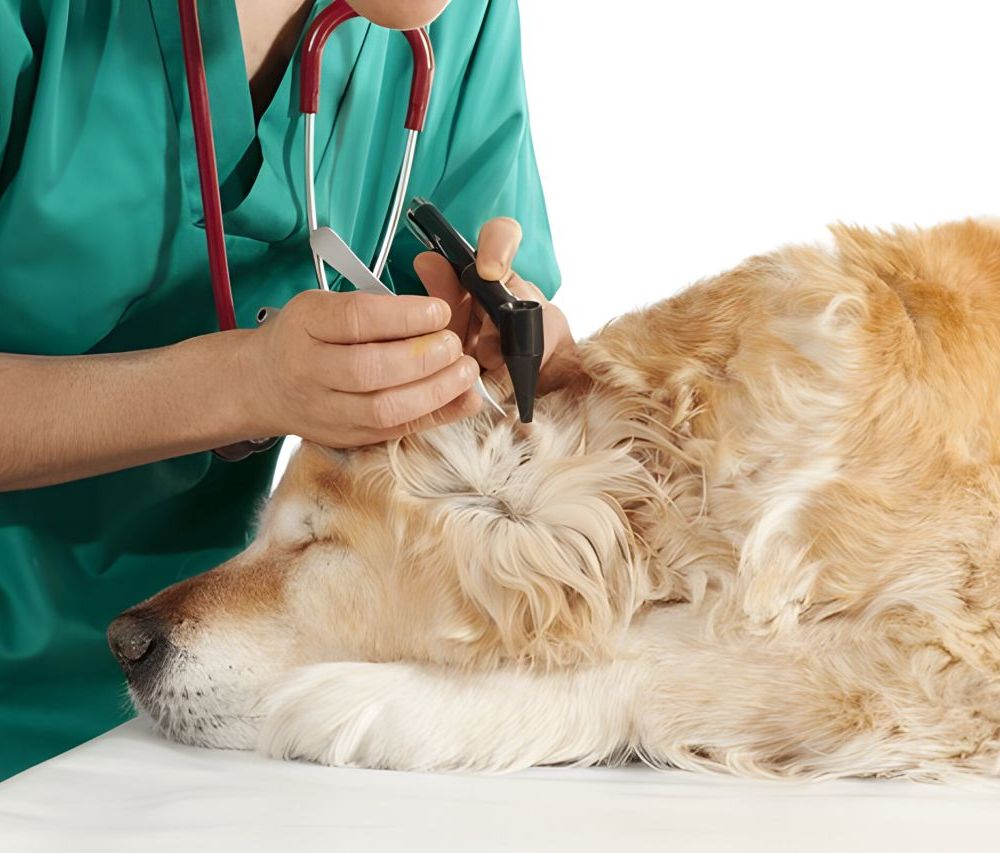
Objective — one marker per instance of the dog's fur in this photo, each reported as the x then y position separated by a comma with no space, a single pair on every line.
756,531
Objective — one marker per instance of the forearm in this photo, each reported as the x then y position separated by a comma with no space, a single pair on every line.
63,418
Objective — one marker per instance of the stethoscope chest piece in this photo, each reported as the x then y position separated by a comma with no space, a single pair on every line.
244,449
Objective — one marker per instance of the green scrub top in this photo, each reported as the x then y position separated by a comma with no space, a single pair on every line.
102,249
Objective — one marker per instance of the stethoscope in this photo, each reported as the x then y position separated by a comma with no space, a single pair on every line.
326,245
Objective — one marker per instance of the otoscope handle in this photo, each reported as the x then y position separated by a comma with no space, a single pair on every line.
519,321
431,228
493,296
437,234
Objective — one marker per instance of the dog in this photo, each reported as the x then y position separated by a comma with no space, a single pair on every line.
755,530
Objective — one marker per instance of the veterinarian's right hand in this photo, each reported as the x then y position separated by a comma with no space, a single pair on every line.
348,369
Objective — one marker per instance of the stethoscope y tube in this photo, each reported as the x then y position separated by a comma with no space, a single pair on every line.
420,93
519,321
311,65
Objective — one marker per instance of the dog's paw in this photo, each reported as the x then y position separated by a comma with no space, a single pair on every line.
380,715
410,717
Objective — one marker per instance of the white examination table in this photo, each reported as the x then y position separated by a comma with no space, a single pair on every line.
131,790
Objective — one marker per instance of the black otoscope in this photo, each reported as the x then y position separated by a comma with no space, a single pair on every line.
519,321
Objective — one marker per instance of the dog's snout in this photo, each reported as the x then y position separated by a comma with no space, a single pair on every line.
133,638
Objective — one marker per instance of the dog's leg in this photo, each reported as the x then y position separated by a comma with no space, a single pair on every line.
822,704
412,717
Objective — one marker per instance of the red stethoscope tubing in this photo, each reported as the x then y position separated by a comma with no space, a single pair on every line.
208,172
314,41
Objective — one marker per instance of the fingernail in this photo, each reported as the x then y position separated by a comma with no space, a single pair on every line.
452,345
470,368
437,312
492,270
446,347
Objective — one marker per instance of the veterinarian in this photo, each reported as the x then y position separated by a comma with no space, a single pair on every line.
113,386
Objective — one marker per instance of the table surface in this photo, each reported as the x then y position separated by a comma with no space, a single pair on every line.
132,790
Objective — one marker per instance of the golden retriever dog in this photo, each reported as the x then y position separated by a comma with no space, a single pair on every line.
756,531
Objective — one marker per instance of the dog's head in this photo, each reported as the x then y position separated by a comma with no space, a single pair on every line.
473,543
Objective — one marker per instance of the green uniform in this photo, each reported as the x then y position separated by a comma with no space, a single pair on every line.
102,250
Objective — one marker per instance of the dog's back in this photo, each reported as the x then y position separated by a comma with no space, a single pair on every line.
843,426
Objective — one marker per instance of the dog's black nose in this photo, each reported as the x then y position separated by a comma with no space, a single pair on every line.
132,638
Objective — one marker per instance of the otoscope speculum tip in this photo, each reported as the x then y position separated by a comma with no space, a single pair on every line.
522,345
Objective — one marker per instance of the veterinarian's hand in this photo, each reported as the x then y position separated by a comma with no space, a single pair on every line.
499,240
347,369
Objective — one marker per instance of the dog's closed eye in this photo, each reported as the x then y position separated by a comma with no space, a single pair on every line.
293,524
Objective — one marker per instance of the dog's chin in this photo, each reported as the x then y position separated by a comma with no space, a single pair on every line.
178,719
190,704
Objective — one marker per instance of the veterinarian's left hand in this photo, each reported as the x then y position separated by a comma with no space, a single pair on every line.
498,243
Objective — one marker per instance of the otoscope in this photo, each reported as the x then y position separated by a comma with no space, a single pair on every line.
519,321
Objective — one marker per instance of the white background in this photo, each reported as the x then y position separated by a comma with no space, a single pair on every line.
675,139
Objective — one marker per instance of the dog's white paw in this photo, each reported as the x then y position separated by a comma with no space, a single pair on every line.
380,715
410,717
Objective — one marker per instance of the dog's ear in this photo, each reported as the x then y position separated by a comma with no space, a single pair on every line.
551,558
539,539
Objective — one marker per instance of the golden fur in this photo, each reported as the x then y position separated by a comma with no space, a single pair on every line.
757,532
